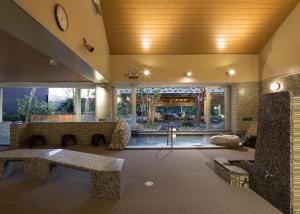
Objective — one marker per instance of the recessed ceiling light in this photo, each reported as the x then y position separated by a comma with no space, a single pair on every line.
231,72
149,183
146,43
146,72
275,86
189,73
53,62
221,43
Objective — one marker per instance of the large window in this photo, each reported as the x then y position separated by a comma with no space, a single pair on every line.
88,101
185,108
182,108
217,108
124,105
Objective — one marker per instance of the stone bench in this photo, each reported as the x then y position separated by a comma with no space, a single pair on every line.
232,174
40,164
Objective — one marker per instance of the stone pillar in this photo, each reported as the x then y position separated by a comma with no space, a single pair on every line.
77,104
207,109
103,103
227,108
1,105
133,107
114,103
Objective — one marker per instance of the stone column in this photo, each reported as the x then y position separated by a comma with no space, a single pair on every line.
103,103
77,104
207,109
133,107
1,105
227,108
114,103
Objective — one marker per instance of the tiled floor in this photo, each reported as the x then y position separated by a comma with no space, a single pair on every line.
184,182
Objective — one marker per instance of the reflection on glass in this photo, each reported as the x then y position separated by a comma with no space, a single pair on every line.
217,108
124,104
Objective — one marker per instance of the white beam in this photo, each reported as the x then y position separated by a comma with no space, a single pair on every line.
114,104
25,28
77,104
103,103
82,85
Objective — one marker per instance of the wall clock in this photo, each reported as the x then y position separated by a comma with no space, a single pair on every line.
61,17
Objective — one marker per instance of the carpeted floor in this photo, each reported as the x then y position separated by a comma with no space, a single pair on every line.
184,183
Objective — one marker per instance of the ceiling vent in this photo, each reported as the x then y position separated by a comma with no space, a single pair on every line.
97,6
133,73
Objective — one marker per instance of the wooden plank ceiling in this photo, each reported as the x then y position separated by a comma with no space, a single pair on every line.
192,26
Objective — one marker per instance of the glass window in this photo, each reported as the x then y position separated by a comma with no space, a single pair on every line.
124,104
217,108
88,101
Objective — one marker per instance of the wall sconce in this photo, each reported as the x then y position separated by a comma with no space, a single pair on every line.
275,86
188,73
231,72
53,62
87,46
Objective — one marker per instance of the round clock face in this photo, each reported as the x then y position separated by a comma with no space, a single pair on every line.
61,17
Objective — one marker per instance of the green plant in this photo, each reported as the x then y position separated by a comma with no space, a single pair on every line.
10,117
148,100
36,107
124,107
66,107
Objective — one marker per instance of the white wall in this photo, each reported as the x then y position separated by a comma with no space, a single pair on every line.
206,68
83,22
281,55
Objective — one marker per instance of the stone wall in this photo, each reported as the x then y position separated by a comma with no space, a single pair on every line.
62,118
53,132
121,135
244,106
270,175
287,83
53,118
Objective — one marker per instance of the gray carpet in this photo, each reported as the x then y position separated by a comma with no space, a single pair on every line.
184,183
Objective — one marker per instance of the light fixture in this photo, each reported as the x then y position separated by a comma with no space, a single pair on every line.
275,86
128,99
231,72
146,43
221,42
189,74
87,46
53,62
146,72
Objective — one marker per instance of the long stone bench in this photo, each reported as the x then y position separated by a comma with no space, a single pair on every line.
40,164
232,174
